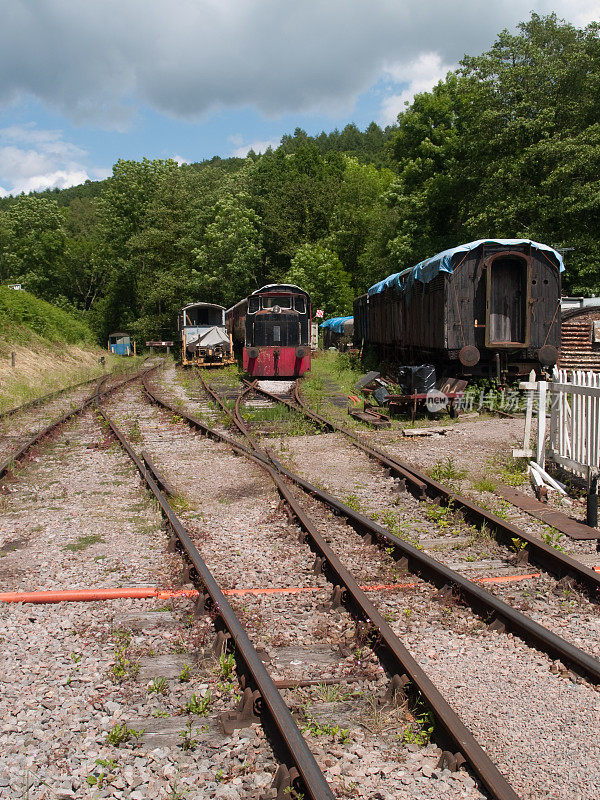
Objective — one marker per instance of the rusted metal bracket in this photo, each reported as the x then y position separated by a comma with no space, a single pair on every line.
445,593
318,565
522,556
395,695
451,761
220,643
188,574
336,599
282,784
202,604
497,625
245,713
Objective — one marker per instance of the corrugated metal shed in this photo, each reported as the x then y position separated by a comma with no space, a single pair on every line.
580,346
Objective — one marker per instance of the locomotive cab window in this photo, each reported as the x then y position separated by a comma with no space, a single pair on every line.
282,302
300,304
507,301
253,304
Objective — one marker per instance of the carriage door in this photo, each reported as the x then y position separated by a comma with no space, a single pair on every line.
507,304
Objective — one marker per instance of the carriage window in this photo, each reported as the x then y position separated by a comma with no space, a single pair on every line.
252,305
282,301
300,304
204,316
276,333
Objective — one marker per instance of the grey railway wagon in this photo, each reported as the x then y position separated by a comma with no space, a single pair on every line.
490,307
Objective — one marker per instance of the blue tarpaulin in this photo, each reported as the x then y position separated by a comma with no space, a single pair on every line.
336,324
426,271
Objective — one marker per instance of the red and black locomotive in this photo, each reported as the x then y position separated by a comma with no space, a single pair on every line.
272,328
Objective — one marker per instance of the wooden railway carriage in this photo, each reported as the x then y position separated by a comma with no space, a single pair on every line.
205,341
490,307
338,332
272,328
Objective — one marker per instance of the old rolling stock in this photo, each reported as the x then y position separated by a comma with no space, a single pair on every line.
205,341
272,329
338,332
120,344
487,308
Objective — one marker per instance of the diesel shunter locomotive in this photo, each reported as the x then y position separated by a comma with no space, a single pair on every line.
272,328
489,308
204,338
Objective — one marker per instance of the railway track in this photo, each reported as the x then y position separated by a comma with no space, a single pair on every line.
534,550
29,442
329,560
407,676
260,701
372,617
251,670
483,603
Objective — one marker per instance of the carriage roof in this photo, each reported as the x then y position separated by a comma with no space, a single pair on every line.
425,271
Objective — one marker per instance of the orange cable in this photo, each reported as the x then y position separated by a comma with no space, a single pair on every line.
145,592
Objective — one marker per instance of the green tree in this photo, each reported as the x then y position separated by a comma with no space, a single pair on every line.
506,147
318,270
357,217
32,238
229,261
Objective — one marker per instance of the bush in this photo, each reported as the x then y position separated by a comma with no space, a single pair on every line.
20,309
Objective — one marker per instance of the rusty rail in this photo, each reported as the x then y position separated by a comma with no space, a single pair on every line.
486,605
296,751
407,675
536,551
6,465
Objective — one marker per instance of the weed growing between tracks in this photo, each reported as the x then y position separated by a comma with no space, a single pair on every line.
123,668
316,728
484,485
159,686
189,739
83,542
286,421
121,733
447,471
198,705
512,471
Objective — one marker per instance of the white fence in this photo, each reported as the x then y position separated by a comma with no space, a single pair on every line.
575,422
574,401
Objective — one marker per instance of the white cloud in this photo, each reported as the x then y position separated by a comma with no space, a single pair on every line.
99,61
33,159
419,75
259,146
180,159
584,11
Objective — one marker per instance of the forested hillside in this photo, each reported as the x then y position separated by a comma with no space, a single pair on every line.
508,145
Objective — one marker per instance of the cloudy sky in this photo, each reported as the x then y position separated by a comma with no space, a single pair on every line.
84,82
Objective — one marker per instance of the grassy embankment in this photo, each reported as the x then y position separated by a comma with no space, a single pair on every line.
52,349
